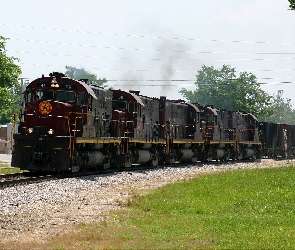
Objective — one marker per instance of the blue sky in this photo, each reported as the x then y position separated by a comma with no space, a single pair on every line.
135,41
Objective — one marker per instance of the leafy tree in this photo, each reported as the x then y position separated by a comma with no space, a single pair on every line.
77,74
9,85
223,89
282,110
292,4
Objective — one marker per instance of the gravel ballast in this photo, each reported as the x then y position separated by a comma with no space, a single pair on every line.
45,209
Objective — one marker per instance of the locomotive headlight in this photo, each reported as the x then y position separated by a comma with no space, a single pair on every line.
30,130
50,131
54,85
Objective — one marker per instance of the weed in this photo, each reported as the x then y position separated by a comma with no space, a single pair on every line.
60,247
103,224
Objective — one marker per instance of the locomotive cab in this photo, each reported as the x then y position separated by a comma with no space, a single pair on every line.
55,111
55,103
128,114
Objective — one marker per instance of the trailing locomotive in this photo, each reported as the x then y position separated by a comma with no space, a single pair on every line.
70,125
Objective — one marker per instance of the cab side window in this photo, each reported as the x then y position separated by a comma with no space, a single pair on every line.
29,95
81,99
90,99
131,107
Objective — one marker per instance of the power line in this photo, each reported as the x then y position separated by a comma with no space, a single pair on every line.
157,50
153,59
153,70
151,50
145,36
150,80
139,84
151,85
180,80
108,69
148,59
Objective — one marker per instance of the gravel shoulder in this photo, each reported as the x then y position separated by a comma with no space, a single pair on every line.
40,210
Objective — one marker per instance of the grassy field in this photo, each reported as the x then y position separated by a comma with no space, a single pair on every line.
5,168
233,210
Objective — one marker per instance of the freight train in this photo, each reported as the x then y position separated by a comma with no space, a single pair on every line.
70,125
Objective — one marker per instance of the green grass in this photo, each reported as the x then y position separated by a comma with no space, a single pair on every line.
233,210
5,168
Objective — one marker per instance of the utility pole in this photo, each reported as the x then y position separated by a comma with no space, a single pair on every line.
23,83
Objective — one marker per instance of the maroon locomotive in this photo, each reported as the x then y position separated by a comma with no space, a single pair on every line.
70,125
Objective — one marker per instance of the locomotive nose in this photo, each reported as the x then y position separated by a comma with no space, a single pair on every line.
45,107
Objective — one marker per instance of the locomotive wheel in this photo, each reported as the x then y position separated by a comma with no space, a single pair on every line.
75,163
172,157
154,161
286,155
75,166
128,160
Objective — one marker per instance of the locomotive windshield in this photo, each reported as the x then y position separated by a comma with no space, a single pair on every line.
65,96
59,95
119,105
44,94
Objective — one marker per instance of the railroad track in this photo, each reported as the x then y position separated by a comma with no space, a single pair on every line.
26,178
9,180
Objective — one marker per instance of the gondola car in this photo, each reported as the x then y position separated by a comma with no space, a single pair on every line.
277,140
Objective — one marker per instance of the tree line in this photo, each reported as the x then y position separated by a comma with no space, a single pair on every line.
225,89
292,4
9,84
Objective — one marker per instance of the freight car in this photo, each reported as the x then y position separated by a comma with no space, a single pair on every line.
278,140
70,125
